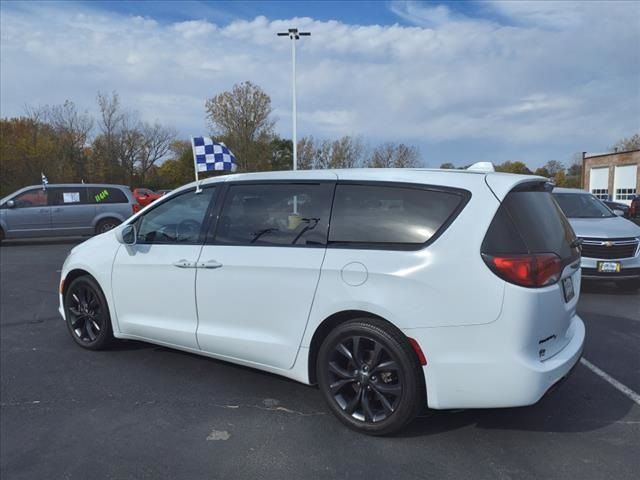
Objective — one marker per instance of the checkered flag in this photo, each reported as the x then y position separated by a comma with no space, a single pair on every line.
210,156
45,180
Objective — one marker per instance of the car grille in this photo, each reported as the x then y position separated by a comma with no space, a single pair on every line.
614,248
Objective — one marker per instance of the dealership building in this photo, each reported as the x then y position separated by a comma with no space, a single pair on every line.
612,176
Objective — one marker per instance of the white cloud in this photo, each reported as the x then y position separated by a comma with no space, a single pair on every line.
526,76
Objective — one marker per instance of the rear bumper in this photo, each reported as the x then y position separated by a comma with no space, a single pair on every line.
474,375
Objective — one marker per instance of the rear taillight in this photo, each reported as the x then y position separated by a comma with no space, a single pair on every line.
135,207
534,270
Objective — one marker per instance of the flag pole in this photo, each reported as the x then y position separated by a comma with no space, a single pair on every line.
195,165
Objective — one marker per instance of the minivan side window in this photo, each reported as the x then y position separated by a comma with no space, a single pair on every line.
36,197
179,220
106,194
67,195
384,216
279,214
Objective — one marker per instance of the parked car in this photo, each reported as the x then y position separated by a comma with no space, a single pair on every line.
610,244
634,210
616,207
351,279
64,209
144,196
164,191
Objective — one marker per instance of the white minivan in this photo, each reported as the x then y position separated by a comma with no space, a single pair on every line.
392,290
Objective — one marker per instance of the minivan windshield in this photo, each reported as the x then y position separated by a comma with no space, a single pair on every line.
582,205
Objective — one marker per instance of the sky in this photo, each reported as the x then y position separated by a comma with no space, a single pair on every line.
464,81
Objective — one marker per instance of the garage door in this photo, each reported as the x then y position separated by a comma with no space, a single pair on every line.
624,183
599,182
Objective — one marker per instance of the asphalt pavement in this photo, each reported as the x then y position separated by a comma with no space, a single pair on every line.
141,411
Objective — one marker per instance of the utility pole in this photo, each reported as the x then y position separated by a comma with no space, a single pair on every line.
294,35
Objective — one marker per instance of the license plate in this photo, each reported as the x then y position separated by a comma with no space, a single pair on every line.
567,287
609,267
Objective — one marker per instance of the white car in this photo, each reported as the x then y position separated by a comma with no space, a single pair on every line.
393,289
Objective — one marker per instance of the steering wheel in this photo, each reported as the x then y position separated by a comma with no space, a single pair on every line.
187,229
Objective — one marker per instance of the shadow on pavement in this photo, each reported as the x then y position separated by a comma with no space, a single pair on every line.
43,241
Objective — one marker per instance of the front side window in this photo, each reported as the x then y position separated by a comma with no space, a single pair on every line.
36,197
67,196
275,214
382,215
176,221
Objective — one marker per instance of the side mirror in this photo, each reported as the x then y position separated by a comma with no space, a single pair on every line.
127,235
11,204
619,213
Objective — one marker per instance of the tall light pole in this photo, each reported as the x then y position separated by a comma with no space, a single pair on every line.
294,35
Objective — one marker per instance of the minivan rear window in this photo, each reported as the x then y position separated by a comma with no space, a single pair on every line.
530,222
384,215
105,194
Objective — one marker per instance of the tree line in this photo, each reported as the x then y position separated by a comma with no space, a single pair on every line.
118,147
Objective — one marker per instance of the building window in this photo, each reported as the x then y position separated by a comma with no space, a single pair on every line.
601,193
625,193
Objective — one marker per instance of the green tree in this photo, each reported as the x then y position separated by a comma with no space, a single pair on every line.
281,154
513,167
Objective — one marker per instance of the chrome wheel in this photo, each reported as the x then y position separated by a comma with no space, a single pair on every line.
364,379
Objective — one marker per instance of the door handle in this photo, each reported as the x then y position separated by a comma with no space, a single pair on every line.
210,264
184,264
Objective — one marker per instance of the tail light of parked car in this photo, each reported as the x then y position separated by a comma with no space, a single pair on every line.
535,270
529,240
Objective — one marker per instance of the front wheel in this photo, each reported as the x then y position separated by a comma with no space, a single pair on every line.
87,314
370,376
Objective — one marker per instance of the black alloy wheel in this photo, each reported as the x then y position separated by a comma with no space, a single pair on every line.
370,376
87,314
364,380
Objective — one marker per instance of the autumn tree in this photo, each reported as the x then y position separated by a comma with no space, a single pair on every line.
626,144
554,167
242,119
394,155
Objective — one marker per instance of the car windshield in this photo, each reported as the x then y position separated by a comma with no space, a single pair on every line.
582,205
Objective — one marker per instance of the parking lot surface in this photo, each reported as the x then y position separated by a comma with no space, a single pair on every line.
141,411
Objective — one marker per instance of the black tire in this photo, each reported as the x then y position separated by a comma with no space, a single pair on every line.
629,285
350,386
87,314
107,224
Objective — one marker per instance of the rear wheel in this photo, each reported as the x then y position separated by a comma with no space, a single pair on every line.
106,225
87,314
370,377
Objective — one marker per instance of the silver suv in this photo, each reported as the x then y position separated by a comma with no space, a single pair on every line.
610,243
65,209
